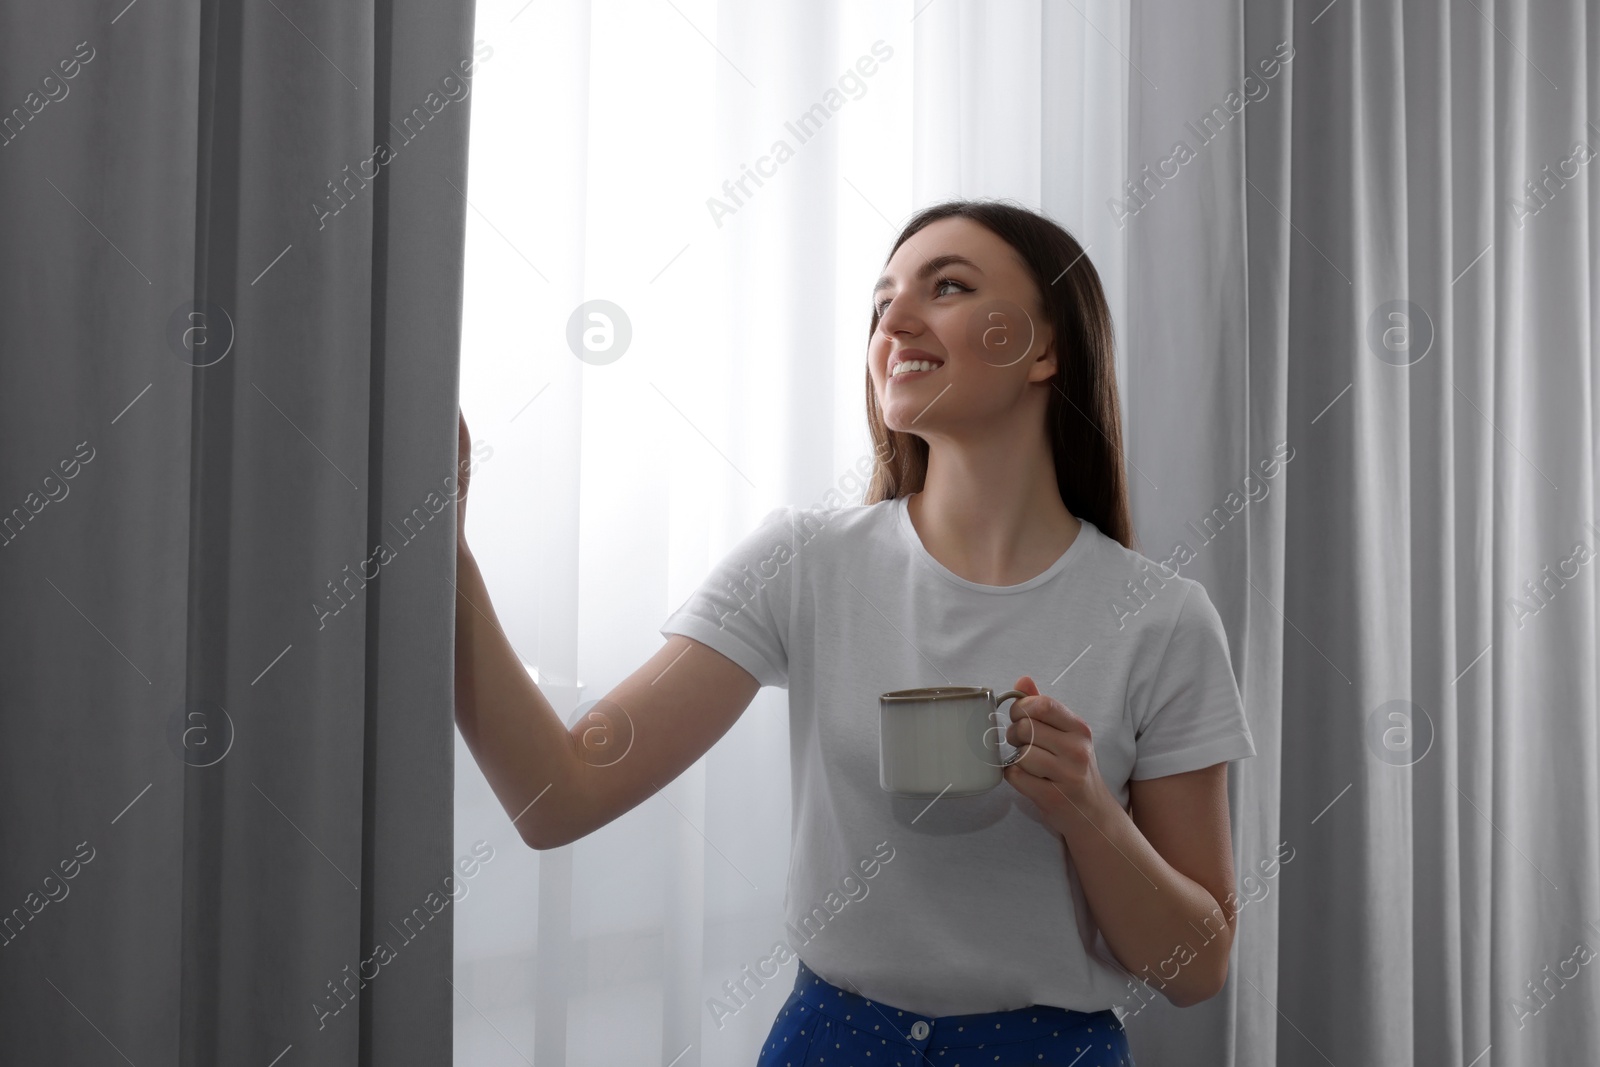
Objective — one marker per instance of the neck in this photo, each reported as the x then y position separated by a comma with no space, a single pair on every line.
995,518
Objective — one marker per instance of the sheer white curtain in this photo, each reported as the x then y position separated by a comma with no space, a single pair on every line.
627,152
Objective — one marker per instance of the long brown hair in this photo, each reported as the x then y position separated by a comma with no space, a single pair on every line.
1084,419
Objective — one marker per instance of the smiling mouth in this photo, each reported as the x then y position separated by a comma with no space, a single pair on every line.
913,368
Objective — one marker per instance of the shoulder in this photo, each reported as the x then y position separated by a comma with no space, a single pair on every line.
817,532
1137,593
1172,619
823,525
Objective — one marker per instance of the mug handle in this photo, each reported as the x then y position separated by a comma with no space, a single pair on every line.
1001,699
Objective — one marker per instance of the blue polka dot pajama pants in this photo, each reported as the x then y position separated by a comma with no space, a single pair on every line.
821,1025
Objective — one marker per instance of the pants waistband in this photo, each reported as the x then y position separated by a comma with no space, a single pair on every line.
949,1031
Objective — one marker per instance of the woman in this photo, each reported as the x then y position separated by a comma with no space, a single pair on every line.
994,542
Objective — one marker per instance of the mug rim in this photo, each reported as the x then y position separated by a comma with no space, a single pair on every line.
936,692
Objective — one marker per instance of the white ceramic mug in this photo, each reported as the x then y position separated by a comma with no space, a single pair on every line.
942,741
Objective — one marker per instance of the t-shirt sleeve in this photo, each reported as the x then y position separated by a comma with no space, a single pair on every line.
742,607
1194,716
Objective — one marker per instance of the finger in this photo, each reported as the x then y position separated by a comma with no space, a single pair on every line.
1022,780
1023,707
1054,713
1030,774
1020,705
1034,733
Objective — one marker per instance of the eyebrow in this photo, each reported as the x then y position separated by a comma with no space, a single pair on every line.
930,268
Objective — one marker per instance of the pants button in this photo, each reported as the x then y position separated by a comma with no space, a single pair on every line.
919,1029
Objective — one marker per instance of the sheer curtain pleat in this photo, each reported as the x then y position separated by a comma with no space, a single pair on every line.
629,153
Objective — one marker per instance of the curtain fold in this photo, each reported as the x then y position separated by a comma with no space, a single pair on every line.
1205,425
1410,592
226,676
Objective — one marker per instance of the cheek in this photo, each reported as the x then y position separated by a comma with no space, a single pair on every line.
993,336
879,365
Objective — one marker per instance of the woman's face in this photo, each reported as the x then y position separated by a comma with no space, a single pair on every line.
975,317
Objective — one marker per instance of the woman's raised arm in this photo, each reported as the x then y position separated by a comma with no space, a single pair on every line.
556,784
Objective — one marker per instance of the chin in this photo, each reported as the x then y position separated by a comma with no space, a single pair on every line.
900,422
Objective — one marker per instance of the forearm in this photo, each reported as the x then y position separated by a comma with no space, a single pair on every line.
517,738
1160,924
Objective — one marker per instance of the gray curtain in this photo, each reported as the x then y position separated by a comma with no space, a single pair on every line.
1363,394
229,340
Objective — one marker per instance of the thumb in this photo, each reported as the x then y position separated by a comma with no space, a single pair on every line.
1025,683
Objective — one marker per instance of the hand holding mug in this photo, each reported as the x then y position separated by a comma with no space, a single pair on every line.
1056,769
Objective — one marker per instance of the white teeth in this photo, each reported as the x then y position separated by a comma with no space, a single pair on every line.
911,365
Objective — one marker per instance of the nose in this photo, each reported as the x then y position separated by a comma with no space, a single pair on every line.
897,317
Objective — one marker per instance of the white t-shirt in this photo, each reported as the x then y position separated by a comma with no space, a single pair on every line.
978,906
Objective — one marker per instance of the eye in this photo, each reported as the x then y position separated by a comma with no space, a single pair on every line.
937,285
